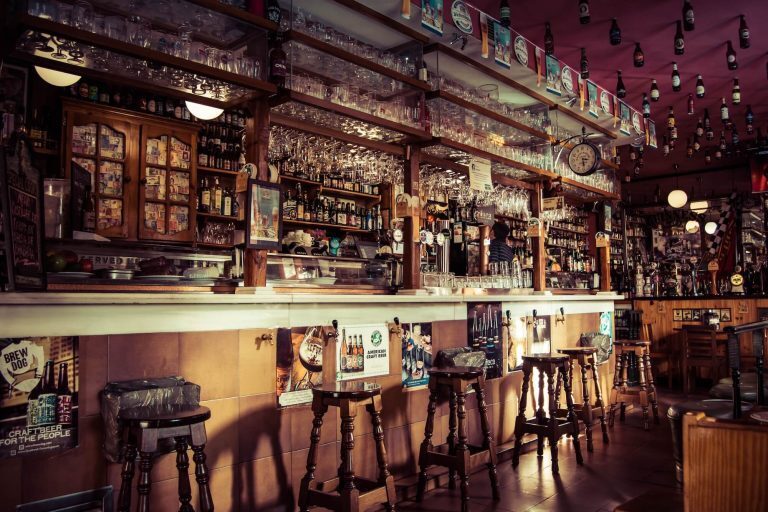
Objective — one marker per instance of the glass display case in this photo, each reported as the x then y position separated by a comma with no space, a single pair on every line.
306,271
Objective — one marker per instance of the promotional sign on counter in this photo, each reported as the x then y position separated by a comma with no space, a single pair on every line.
362,351
542,337
516,337
484,333
416,342
38,395
299,363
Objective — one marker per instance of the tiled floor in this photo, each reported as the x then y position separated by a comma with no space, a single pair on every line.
634,463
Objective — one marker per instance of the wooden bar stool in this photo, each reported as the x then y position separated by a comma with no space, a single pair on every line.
585,356
621,391
456,454
347,492
148,425
552,426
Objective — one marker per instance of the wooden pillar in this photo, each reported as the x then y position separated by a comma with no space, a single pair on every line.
604,254
256,147
411,250
537,243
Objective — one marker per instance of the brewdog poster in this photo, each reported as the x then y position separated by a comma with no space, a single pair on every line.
38,395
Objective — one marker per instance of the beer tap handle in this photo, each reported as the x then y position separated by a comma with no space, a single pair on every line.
334,334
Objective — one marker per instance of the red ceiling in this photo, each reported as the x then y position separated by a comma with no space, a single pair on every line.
652,24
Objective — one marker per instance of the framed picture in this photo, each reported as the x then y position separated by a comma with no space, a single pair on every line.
687,315
677,315
264,215
725,315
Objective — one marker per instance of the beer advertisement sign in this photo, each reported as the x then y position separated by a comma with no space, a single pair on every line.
299,363
484,332
38,395
416,342
362,351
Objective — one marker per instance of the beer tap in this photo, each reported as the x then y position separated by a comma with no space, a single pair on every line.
561,318
397,330
334,334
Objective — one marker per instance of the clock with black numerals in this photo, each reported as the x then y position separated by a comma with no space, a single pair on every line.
584,158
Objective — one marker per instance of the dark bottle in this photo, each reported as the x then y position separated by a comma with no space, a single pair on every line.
743,33
235,205
724,116
722,144
584,12
689,149
63,397
671,118
676,85
33,404
730,57
621,91
707,157
736,92
205,197
549,40
665,146
646,106
278,63
734,135
504,13
273,12
690,105
47,398
700,128
89,210
688,18
679,39
614,34
696,143
700,90
152,105
655,93
584,64
202,150
638,57
750,119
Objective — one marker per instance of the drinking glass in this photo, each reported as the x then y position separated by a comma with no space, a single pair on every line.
82,15
138,31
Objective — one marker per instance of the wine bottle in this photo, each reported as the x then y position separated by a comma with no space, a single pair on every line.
278,63
679,39
205,197
724,116
676,85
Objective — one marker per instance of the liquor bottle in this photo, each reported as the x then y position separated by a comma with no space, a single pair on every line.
679,39
504,13
378,222
646,106
584,12
89,211
226,203
549,40
216,197
690,105
672,137
47,398
273,12
205,197
700,90
152,105
621,91
688,18
724,116
343,351
750,119
730,57
743,33
307,207
202,150
63,397
34,129
718,153
341,215
584,64
360,354
676,85
671,118
278,63
638,57
655,93
170,107
33,404
736,92
614,34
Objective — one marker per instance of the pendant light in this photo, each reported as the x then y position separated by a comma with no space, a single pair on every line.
692,226
57,78
710,228
203,112
677,197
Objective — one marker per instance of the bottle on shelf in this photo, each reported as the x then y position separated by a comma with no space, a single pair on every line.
205,197
278,63
216,196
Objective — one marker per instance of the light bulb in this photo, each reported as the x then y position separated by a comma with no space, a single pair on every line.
677,198
699,206
710,228
57,78
203,112
692,226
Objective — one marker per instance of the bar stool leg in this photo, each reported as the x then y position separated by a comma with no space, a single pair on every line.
452,439
488,443
586,408
319,408
599,399
628,359
541,416
145,467
385,478
520,420
552,419
347,488
182,465
615,389
643,392
129,459
651,386
462,450
566,380
426,444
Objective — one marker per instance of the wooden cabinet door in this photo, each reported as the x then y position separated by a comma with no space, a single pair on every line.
106,147
167,192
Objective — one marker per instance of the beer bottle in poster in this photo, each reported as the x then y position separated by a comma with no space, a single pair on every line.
47,398
360,354
343,351
33,404
63,397
351,356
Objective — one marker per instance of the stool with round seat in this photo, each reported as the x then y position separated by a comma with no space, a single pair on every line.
585,356
552,425
145,426
645,392
456,454
347,492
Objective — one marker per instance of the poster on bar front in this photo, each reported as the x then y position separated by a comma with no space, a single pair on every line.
299,363
541,337
516,337
553,75
592,99
502,48
484,333
625,117
416,343
38,395
362,351
432,15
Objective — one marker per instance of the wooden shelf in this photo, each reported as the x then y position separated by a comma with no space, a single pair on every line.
489,113
333,191
589,188
214,246
323,225
212,170
216,216
237,13
44,151
568,230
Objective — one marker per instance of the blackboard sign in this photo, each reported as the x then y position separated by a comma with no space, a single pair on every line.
23,208
6,281
81,179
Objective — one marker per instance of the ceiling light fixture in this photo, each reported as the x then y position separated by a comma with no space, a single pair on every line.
699,206
57,78
203,112
677,198
710,228
692,226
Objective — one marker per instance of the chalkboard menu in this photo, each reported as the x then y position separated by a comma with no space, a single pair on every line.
22,185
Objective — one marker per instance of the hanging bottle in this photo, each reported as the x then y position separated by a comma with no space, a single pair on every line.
549,40
696,143
584,12
675,78
724,116
584,64
638,57
736,92
621,91
700,90
730,57
671,118
646,107
614,35
655,93
700,128
743,33
708,132
679,39
707,157
665,147
750,119
504,13
722,144
688,17
689,149
734,135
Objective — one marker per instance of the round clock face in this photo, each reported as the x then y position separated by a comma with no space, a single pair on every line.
737,279
583,159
